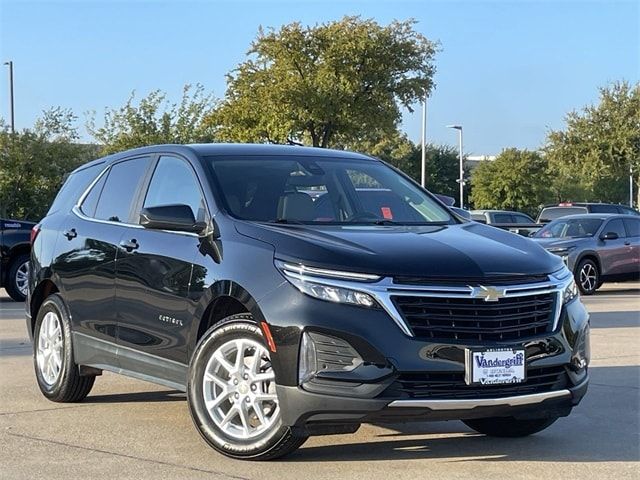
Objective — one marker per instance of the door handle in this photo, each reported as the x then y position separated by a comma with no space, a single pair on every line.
627,243
129,245
70,234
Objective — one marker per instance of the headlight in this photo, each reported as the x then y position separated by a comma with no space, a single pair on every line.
570,289
560,250
309,280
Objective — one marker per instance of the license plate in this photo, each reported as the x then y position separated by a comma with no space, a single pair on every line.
495,366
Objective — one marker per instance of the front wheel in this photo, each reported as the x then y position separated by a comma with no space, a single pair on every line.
588,277
232,393
509,426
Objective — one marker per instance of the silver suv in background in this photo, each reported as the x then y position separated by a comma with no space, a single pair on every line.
553,212
596,248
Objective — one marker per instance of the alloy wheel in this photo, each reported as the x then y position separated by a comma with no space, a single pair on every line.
588,277
22,278
50,347
239,389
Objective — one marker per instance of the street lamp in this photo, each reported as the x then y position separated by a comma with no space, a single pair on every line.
423,167
461,178
13,121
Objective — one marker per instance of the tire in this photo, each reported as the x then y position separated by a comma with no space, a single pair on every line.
587,277
509,426
239,388
57,374
18,278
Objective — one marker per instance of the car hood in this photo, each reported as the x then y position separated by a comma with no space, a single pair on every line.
560,242
469,250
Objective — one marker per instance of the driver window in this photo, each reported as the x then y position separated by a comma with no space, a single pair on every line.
174,182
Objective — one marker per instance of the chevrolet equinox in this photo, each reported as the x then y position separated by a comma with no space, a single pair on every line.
293,291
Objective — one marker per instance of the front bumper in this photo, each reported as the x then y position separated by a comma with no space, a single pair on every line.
370,393
301,408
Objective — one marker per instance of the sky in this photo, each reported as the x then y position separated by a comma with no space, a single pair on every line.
508,71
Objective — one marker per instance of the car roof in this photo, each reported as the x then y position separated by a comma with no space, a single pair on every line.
498,211
599,216
231,150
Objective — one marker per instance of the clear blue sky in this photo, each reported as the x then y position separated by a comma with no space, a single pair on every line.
508,71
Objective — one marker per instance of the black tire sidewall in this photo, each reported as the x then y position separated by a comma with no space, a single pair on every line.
210,341
577,277
54,303
12,286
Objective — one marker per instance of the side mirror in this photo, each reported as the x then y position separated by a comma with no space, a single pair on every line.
609,236
177,218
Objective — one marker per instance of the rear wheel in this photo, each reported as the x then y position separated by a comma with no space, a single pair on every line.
18,280
232,395
58,376
588,277
509,426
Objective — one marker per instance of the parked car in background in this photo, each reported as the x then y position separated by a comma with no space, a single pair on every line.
209,269
15,247
515,222
596,248
552,212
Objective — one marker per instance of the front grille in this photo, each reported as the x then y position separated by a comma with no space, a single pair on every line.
509,318
491,280
444,385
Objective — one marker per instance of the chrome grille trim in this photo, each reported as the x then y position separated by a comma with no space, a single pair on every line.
384,289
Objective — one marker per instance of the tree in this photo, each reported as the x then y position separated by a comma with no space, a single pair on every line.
327,84
515,180
34,163
154,120
592,157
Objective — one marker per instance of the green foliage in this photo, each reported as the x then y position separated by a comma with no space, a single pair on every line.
33,163
515,180
153,120
327,84
592,156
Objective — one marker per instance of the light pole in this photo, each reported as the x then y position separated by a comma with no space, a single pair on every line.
13,120
423,168
461,178
631,185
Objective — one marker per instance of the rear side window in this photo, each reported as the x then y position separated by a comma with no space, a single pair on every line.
120,190
603,208
615,226
74,187
633,227
90,202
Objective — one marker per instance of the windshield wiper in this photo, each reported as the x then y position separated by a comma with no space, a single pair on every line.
286,221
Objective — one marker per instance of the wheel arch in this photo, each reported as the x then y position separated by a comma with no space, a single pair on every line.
45,288
222,299
588,255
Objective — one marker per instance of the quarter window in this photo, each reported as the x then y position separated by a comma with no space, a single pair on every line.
120,189
174,183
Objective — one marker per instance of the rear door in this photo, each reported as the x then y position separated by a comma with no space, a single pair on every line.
614,253
86,264
153,276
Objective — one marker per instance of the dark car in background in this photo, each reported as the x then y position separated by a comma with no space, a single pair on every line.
15,248
596,248
553,212
208,269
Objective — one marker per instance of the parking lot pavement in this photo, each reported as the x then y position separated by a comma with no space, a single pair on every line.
131,429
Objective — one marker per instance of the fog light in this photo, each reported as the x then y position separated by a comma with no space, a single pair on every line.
323,353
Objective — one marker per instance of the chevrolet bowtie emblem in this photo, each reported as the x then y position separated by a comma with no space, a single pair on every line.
488,294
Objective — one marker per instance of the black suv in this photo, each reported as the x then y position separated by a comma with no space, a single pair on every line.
284,313
14,257
553,212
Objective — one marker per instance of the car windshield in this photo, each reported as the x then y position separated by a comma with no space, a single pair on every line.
321,190
570,228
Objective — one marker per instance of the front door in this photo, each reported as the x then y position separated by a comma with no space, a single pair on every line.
153,276
614,254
